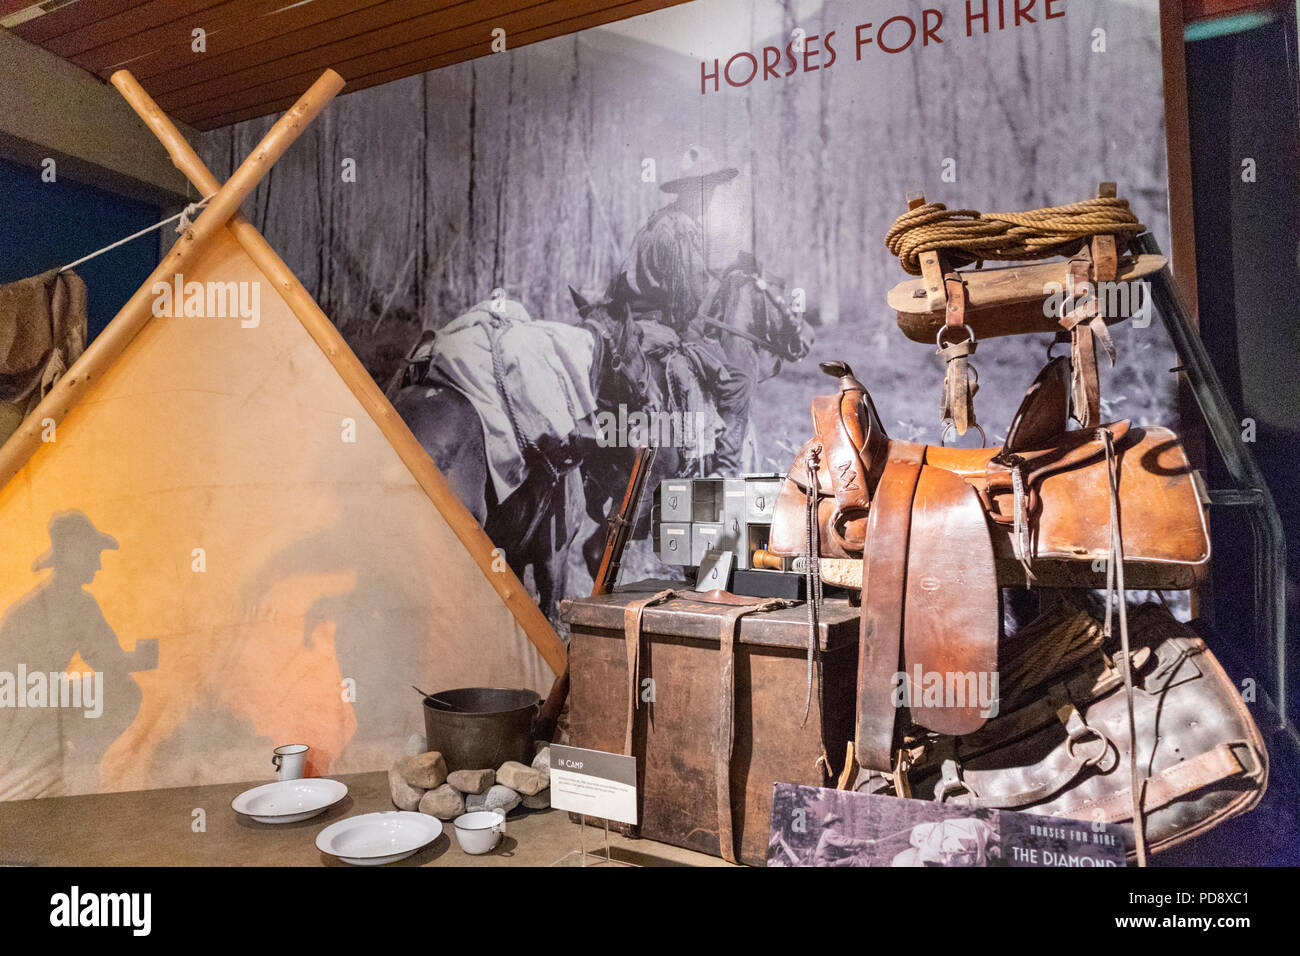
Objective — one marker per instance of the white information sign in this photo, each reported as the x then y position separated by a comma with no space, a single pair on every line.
594,783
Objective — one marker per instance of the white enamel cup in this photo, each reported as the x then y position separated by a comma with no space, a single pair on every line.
480,831
290,761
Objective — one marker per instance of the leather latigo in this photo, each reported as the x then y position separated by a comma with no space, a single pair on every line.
1062,748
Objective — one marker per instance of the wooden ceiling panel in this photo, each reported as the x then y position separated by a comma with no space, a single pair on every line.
72,16
125,24
325,44
167,46
608,14
261,54
464,26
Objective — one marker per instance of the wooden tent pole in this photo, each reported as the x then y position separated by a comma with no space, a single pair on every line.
137,312
326,335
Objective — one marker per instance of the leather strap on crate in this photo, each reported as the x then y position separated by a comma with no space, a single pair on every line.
728,626
632,642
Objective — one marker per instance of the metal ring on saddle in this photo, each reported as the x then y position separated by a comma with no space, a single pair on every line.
1083,733
949,425
938,339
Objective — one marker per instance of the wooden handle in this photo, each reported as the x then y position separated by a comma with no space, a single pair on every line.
322,330
768,561
549,715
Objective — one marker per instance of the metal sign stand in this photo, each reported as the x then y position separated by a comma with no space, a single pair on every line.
579,857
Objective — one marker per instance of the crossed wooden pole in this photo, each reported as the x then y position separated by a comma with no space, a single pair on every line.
222,211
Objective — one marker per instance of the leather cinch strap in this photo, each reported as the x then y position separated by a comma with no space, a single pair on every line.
728,627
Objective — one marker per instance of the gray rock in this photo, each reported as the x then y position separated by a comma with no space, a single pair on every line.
542,764
472,781
538,801
416,744
445,803
405,796
424,771
497,798
526,780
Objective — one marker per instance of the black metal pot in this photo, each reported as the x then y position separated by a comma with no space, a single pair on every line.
481,727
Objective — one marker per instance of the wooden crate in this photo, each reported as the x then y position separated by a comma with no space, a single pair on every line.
676,734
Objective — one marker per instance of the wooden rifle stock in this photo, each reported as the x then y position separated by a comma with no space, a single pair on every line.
620,529
620,524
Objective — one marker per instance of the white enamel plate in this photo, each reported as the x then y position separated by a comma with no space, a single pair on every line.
375,838
288,801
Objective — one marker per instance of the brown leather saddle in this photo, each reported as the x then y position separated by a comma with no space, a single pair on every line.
937,530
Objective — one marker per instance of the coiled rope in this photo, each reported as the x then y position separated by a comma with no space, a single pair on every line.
1054,642
967,236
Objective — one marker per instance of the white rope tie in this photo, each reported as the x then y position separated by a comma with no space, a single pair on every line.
186,217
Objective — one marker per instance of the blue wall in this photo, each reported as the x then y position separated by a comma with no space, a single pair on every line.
47,225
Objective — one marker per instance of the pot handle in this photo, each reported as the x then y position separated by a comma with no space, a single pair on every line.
549,713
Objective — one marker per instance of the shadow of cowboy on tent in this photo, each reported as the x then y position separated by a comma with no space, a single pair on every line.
40,635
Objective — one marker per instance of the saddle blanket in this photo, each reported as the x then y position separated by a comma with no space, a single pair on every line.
511,366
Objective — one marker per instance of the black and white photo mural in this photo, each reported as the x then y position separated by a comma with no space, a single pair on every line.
653,231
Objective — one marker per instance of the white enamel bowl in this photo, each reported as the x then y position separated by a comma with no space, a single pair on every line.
288,801
375,838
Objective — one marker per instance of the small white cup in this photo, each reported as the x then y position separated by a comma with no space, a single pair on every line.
290,761
480,831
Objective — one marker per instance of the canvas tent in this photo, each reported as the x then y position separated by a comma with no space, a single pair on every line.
226,521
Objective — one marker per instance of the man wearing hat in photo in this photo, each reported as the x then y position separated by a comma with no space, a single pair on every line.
836,849
49,749
668,281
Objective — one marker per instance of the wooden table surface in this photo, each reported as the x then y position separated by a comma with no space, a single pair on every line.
195,826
